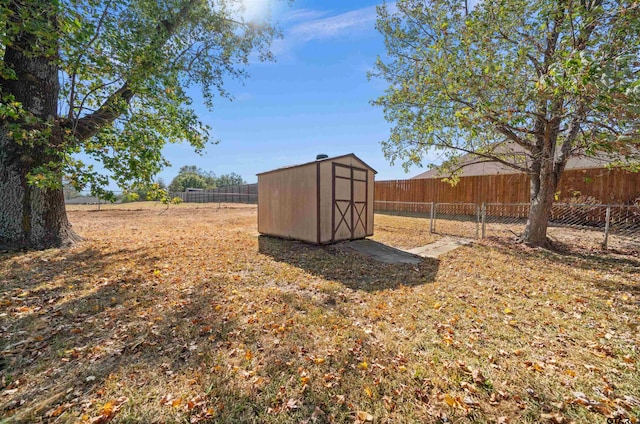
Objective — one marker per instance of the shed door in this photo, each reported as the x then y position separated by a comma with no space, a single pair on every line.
349,215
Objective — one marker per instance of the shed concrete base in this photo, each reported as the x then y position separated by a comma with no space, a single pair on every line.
390,255
383,253
440,247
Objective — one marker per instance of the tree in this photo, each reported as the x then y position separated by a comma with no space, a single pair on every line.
107,78
554,78
191,176
227,180
155,191
184,181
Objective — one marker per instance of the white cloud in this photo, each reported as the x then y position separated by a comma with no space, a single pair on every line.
304,25
302,15
339,25
243,97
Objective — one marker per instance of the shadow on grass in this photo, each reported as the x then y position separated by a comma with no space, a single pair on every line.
339,263
79,341
28,272
66,349
569,254
578,258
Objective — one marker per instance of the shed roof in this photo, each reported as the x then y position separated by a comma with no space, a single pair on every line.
319,160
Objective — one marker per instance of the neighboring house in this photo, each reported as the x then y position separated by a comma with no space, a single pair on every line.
476,166
482,181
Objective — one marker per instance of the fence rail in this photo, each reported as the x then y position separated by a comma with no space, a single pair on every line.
481,220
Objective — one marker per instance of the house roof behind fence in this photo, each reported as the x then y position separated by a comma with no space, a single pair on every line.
515,154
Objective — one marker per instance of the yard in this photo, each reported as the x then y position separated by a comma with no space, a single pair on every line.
186,315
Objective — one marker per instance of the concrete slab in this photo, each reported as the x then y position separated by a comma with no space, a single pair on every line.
383,253
390,255
440,247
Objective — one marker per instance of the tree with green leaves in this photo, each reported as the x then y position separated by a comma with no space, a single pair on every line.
546,79
109,79
155,191
190,176
227,180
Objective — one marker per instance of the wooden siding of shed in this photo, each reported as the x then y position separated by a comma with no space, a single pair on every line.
287,205
326,187
606,186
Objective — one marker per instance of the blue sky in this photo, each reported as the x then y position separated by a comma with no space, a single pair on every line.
313,99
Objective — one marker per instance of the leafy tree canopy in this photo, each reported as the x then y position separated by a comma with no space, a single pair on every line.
190,176
555,78
548,79
125,70
231,179
185,180
155,191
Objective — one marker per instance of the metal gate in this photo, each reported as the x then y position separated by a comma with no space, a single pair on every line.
349,214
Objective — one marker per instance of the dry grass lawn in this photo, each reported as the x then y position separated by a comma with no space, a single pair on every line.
185,315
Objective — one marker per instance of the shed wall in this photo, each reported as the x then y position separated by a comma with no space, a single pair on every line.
287,204
370,197
326,185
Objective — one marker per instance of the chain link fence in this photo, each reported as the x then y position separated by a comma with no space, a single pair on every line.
458,219
417,209
615,227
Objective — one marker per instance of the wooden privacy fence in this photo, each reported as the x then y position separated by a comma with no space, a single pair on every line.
245,193
603,185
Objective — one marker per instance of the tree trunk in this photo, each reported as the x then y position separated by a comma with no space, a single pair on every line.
542,191
32,217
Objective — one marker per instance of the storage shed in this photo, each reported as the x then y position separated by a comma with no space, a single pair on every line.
324,201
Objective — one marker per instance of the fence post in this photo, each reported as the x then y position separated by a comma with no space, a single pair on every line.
432,229
477,222
484,219
606,228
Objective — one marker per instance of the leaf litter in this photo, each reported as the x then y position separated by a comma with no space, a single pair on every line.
189,316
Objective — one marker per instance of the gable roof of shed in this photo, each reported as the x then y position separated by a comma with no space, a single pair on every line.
316,161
